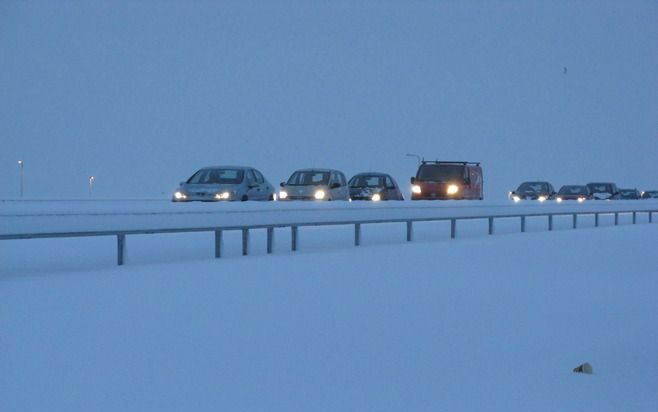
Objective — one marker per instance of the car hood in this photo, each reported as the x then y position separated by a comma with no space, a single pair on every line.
602,195
365,191
207,188
306,190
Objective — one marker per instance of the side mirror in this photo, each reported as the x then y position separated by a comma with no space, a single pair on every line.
334,185
181,183
282,184
413,180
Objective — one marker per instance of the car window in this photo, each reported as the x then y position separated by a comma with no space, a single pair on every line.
259,176
343,180
250,176
441,173
308,178
366,181
389,182
534,187
216,176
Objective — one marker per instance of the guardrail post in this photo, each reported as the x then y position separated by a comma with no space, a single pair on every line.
410,230
270,239
453,228
634,217
596,220
522,224
357,234
550,222
616,218
491,225
245,242
650,216
218,243
575,221
121,248
293,238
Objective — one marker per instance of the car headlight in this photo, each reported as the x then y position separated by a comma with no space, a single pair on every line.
516,198
319,194
542,198
559,200
452,189
376,197
223,196
581,199
415,189
283,194
178,195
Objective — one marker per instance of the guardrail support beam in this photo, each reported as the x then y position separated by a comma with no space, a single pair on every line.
270,239
550,222
634,217
522,224
245,242
491,226
616,218
650,216
121,249
596,220
293,238
218,243
453,228
357,234
410,230
575,221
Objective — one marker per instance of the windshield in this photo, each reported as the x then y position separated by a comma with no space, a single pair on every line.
533,187
217,176
631,194
573,190
600,187
367,181
308,178
441,173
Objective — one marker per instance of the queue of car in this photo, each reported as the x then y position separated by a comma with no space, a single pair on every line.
434,180
542,191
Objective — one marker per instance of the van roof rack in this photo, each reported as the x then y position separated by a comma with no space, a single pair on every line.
438,162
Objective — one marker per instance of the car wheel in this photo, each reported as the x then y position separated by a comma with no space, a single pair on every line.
271,198
244,198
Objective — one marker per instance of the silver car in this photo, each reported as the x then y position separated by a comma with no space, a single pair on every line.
225,183
315,184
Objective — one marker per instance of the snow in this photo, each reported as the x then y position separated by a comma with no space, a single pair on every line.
477,323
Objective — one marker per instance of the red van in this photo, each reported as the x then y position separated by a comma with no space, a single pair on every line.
442,180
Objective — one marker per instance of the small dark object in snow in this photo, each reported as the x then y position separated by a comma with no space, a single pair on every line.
564,71
584,368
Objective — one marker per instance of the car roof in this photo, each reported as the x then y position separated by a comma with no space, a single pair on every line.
317,169
371,174
226,167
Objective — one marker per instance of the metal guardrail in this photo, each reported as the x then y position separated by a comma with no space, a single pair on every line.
294,228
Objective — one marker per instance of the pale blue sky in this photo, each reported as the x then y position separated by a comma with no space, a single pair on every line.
141,94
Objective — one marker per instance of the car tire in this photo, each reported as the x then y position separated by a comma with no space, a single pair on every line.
271,198
244,198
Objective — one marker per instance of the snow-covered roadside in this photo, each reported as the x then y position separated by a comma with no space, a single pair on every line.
487,323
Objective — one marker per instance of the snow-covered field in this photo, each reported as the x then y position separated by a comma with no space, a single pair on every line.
473,324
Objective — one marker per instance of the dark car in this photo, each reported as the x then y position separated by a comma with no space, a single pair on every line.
573,192
650,194
374,186
540,191
443,180
215,183
629,194
603,191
